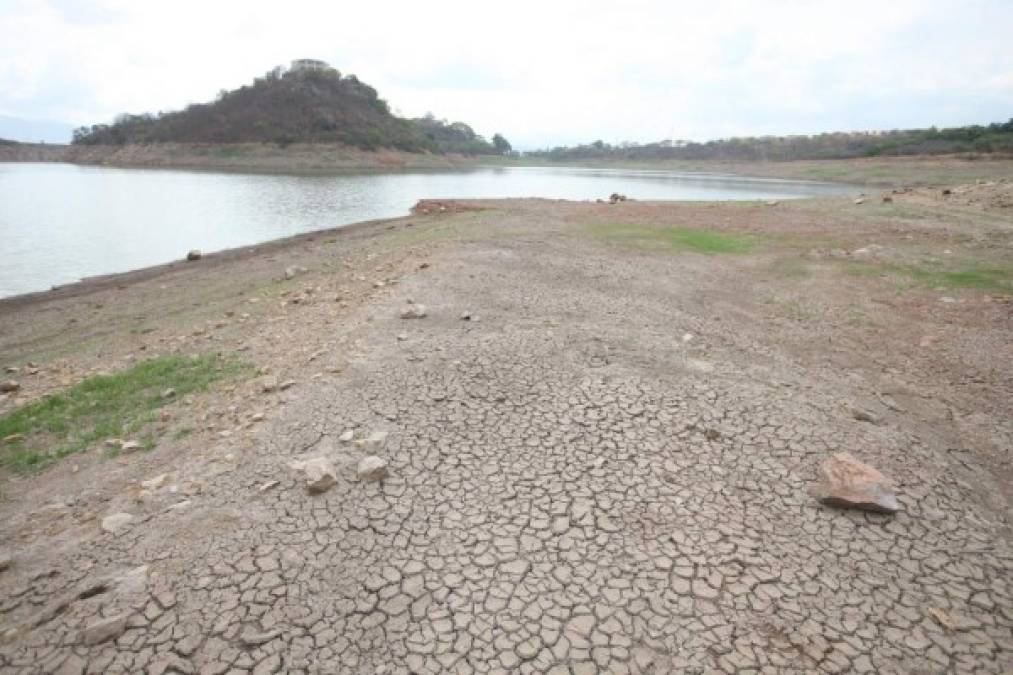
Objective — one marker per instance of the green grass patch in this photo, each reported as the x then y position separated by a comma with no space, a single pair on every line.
992,278
105,406
677,238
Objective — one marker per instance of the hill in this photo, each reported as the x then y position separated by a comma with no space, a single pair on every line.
315,105
993,138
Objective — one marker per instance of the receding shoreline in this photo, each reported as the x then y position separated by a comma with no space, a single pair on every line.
320,158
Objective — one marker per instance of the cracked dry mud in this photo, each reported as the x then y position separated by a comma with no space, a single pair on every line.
574,486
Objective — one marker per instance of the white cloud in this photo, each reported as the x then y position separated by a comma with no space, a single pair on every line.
539,72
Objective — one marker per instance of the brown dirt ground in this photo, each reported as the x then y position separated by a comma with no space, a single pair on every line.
606,468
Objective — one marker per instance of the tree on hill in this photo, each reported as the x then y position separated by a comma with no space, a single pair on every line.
283,107
501,144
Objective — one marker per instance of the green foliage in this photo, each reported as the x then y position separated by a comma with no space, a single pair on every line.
320,106
104,406
997,137
455,137
501,144
677,238
990,277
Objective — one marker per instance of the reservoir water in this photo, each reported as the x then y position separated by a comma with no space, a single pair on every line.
60,223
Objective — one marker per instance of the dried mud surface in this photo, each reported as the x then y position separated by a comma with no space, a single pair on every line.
605,468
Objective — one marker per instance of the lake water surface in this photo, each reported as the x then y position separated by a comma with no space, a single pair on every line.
60,222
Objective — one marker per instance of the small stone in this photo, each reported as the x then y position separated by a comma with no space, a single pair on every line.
106,629
14,438
943,617
374,442
864,416
193,255
268,384
849,483
291,272
154,483
402,337
371,469
9,386
320,474
130,446
169,393
413,312
860,200
5,562
466,316
116,522
346,436
287,384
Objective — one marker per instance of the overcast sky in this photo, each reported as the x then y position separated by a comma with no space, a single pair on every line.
542,73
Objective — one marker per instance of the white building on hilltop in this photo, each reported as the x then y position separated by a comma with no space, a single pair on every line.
306,65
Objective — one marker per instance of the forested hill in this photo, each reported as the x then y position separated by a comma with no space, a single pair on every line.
993,138
284,107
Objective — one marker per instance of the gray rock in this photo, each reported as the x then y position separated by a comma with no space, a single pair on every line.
268,384
105,629
194,255
849,483
371,469
320,474
374,442
413,312
8,386
5,561
130,446
116,522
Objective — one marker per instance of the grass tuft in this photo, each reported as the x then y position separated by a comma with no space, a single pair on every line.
677,238
104,406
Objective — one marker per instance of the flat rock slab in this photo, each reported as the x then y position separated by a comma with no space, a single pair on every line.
850,483
105,629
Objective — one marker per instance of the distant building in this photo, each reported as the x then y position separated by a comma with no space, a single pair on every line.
306,65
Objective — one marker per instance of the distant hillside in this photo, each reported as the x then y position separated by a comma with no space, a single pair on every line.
297,106
994,138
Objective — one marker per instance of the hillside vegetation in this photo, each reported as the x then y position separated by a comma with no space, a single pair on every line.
993,138
284,107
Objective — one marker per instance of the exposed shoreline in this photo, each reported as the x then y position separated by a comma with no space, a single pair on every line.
316,158
614,392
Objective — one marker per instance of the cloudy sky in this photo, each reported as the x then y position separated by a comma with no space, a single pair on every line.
542,73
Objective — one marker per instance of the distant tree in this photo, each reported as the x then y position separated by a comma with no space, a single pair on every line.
501,144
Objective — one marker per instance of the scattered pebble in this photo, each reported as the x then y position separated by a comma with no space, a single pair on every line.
414,312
